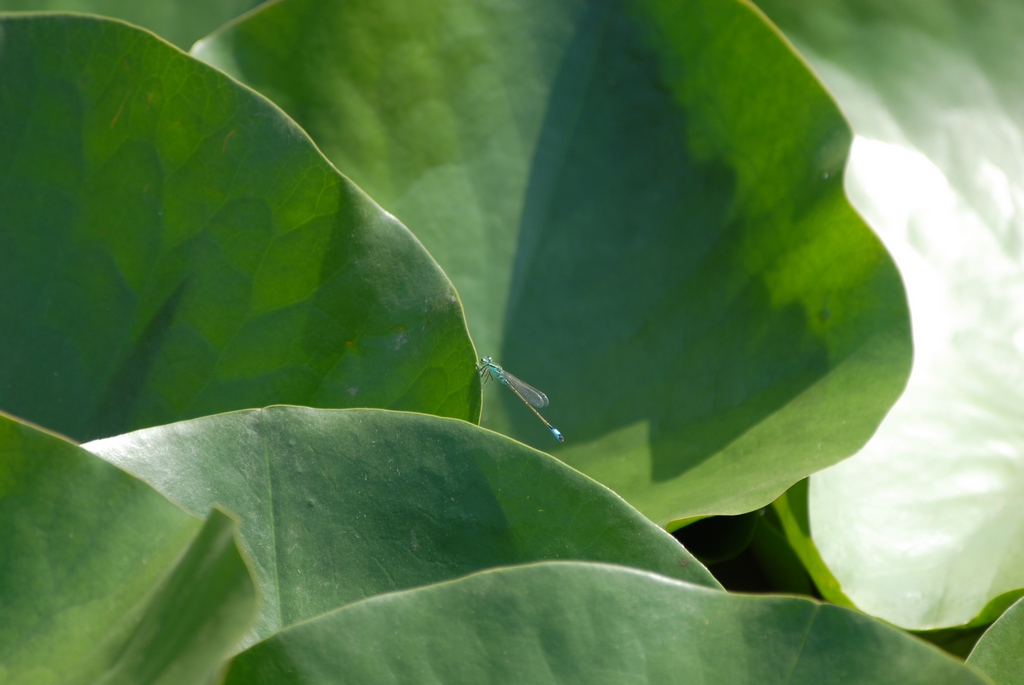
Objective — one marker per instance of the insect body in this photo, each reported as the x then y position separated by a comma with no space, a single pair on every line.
531,396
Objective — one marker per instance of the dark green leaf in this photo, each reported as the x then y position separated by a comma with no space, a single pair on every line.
767,565
174,246
642,206
181,22
777,560
957,641
718,538
337,506
590,623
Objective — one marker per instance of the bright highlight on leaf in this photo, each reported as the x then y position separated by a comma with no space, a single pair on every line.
640,203
643,205
923,526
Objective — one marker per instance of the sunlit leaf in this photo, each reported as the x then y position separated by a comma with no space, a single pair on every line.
641,205
924,526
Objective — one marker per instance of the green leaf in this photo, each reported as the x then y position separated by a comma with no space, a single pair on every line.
768,565
174,246
957,642
718,538
193,620
337,506
794,520
591,623
1000,651
641,204
776,559
182,22
91,587
923,527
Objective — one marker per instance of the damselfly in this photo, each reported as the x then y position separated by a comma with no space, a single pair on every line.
531,396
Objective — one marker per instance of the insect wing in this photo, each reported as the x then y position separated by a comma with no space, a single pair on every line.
528,392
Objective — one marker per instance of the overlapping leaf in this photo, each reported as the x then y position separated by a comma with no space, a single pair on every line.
91,587
341,505
924,526
1000,651
175,246
181,22
641,205
591,623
